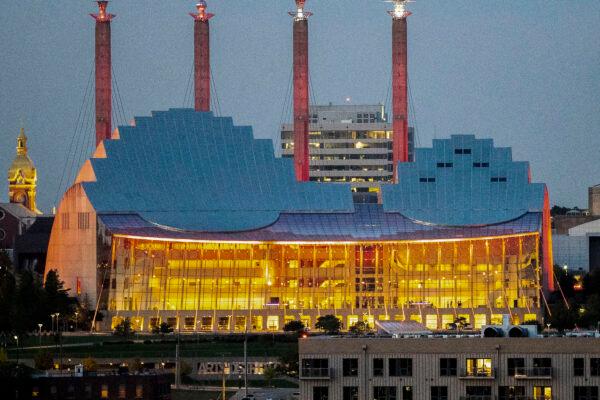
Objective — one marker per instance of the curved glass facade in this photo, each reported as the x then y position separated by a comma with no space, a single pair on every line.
260,286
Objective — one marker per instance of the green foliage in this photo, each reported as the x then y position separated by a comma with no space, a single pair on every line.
26,302
136,365
360,328
534,322
293,326
562,317
288,362
558,210
124,329
184,369
43,360
3,355
329,324
269,373
165,328
90,365
8,287
584,306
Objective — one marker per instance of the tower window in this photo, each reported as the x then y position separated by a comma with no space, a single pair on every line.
498,179
83,220
481,165
427,180
445,165
64,218
462,151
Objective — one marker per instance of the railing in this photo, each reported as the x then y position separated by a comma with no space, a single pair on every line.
478,397
315,373
534,373
478,373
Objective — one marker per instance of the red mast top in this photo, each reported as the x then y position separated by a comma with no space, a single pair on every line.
202,15
102,16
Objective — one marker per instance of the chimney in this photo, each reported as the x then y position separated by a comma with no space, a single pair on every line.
399,83
301,91
201,57
103,73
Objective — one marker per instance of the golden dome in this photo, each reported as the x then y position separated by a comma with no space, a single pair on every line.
22,167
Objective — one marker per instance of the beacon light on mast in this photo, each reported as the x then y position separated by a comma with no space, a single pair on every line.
399,10
300,14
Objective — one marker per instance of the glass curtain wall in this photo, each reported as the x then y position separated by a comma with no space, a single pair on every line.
400,277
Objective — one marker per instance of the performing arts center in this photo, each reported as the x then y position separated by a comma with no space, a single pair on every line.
185,218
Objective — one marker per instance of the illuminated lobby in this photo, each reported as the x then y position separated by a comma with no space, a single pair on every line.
185,218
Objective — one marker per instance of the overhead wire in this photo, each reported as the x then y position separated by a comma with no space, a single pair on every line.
412,107
188,88
74,136
286,101
215,95
119,101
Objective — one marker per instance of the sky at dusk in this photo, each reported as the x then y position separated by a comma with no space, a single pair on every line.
526,74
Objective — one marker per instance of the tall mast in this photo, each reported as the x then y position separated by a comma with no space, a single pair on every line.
399,83
103,73
301,110
201,57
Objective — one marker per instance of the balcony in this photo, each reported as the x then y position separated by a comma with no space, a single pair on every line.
534,373
478,373
315,373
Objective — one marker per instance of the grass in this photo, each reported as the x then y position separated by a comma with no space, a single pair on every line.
114,347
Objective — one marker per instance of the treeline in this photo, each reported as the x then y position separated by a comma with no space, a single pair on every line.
575,303
26,301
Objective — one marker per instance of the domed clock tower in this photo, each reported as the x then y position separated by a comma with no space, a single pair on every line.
22,177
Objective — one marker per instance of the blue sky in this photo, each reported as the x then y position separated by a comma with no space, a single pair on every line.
526,74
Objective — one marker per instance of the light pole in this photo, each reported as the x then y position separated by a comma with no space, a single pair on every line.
17,339
40,334
76,314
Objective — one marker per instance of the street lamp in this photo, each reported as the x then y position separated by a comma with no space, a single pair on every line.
76,314
40,334
17,339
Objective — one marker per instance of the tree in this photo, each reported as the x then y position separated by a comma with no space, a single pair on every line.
562,317
165,328
43,360
461,323
269,373
558,210
329,323
90,365
57,299
184,369
124,328
293,326
590,317
3,355
360,328
8,286
136,366
29,298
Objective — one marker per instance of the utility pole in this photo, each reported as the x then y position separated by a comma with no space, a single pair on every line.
223,379
246,361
